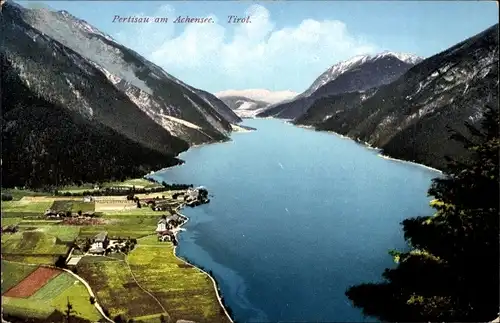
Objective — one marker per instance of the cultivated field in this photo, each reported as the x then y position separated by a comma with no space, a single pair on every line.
26,206
143,285
25,307
38,291
13,274
19,194
167,194
137,182
11,221
33,282
116,289
114,205
32,242
186,292
72,206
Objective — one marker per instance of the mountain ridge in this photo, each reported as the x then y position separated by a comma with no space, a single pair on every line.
408,118
248,103
263,95
356,74
136,74
135,126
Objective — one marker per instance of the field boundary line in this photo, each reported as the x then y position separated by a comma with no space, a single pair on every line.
147,292
89,289
96,304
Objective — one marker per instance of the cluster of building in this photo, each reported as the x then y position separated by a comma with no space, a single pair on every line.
196,196
52,214
166,224
100,243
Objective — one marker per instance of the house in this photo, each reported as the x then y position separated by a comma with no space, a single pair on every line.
50,212
73,261
10,229
196,196
100,243
101,239
165,236
161,207
97,251
173,219
162,225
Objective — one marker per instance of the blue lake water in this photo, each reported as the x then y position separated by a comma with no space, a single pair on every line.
296,217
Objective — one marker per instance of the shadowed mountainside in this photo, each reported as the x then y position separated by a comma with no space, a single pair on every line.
409,118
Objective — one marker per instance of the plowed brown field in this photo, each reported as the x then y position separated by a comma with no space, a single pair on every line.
33,282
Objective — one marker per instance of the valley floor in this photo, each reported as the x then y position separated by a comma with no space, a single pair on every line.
142,283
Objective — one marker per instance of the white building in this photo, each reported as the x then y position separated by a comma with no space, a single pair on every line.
162,225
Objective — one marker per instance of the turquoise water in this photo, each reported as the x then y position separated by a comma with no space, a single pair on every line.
296,216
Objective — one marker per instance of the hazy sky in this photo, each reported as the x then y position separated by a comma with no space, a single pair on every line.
288,43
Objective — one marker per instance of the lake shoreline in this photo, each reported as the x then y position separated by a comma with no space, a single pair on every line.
366,145
178,229
241,308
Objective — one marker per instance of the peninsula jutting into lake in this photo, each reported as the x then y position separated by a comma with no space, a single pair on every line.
190,162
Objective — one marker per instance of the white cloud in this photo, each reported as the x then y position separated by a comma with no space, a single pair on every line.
253,51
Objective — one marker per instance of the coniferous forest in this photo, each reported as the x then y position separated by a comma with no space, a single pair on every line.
451,271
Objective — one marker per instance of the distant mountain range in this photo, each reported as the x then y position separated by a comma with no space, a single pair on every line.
78,106
408,118
356,74
248,103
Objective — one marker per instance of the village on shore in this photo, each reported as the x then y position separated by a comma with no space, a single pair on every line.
168,225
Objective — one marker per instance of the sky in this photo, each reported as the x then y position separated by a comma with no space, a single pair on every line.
287,44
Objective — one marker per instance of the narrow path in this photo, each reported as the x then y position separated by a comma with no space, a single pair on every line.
89,289
143,289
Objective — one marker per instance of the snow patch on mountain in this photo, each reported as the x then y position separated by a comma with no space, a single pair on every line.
245,105
155,111
342,67
404,57
248,113
259,95
183,122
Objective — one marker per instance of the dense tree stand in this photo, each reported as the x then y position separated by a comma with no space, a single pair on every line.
451,272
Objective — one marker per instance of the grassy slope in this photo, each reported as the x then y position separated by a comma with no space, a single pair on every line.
116,290
23,307
185,292
19,194
26,206
72,206
32,242
32,246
